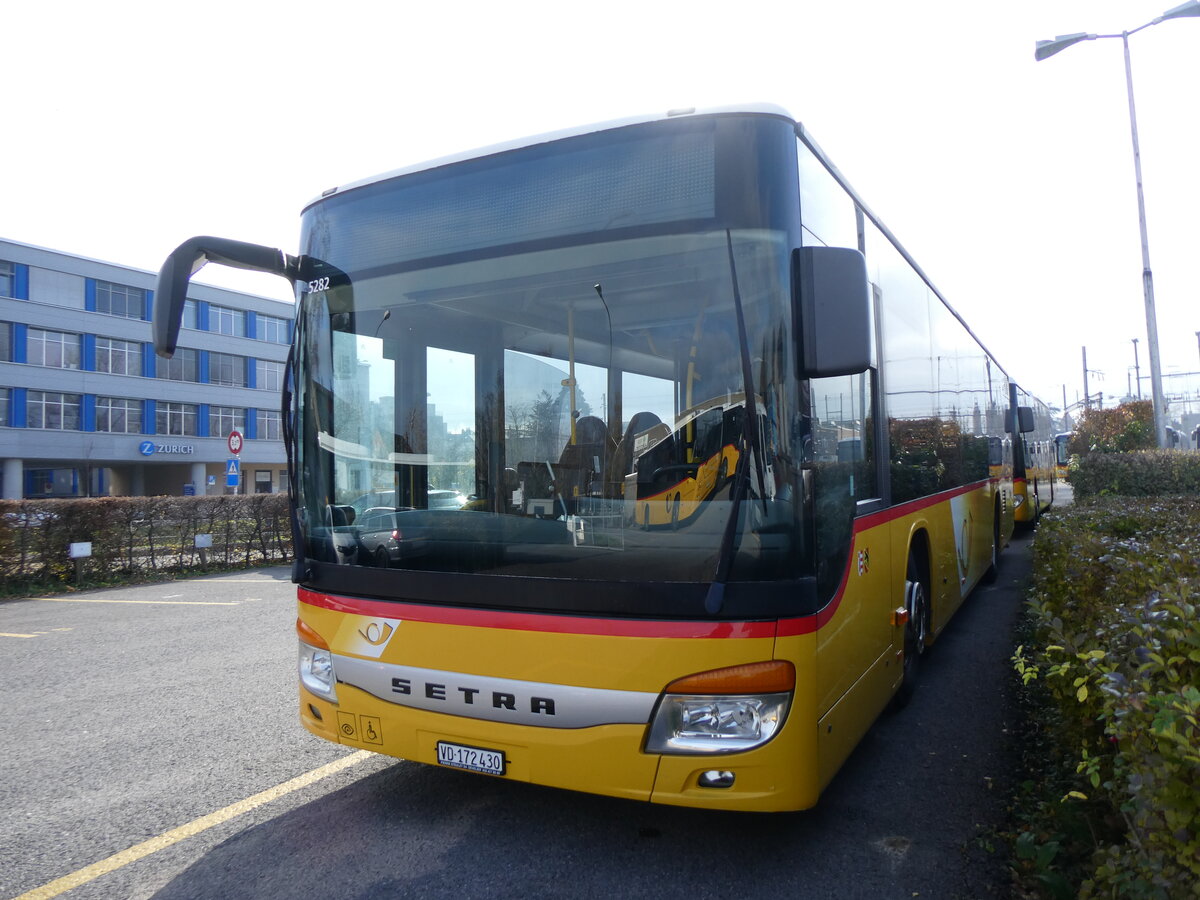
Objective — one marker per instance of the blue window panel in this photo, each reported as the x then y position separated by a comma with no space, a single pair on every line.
251,373
251,424
20,344
87,412
149,415
203,374
251,324
16,409
148,358
202,420
89,294
20,281
201,315
89,355
148,312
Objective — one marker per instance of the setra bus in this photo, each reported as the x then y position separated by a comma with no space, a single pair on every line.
729,461
1035,458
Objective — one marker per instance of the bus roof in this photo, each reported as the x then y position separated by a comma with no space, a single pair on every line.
517,144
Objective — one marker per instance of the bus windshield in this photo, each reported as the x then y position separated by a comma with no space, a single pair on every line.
479,397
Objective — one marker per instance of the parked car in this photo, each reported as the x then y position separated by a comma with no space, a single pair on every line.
384,541
383,500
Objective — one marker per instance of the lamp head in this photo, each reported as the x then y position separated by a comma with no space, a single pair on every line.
1183,10
1063,41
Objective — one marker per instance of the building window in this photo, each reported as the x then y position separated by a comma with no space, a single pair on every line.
268,375
5,342
8,279
55,349
52,410
119,415
118,357
262,481
224,419
273,329
175,418
224,320
183,366
268,425
226,369
5,399
191,314
120,300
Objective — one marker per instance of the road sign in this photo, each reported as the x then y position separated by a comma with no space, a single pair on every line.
233,466
235,442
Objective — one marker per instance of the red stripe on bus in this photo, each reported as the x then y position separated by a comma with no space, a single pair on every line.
490,618
809,624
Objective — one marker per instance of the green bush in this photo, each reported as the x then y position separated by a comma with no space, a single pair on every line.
1147,473
134,538
1115,650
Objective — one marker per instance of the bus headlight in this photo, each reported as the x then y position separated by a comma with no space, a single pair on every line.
316,671
723,711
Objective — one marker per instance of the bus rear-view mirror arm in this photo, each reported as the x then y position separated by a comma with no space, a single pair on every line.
832,310
187,259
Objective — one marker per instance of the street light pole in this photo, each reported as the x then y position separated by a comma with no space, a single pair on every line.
1046,49
1156,388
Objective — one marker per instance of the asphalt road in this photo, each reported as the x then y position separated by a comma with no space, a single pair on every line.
133,713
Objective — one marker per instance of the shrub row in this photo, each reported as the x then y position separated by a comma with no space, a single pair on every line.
1115,658
137,537
1146,473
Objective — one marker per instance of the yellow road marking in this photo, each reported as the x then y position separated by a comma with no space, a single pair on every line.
11,634
175,835
143,602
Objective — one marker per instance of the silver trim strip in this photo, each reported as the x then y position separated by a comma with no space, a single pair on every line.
495,699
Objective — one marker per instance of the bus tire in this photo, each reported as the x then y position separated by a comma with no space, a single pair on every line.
675,514
916,629
993,569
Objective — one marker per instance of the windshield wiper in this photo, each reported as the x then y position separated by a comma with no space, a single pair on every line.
715,598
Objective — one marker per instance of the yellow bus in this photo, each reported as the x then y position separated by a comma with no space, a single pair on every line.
720,640
676,472
1062,454
1035,455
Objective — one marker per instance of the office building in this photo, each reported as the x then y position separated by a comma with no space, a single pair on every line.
88,409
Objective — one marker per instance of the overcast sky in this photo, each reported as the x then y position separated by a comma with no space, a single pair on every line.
132,126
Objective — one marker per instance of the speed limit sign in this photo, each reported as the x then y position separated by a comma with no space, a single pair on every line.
235,442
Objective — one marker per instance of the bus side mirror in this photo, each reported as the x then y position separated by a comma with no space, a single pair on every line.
170,291
832,304
1025,419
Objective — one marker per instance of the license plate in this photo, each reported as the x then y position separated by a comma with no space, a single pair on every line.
472,759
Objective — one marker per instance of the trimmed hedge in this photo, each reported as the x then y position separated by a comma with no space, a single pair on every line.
1146,473
1114,655
135,538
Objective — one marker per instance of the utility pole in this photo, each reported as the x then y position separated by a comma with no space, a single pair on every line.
1087,398
1137,369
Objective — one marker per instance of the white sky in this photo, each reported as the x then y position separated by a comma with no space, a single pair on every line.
131,126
